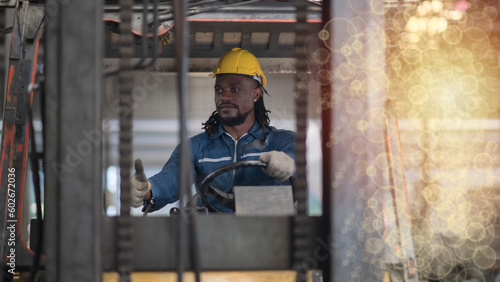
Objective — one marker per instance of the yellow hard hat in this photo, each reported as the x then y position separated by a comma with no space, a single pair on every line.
239,61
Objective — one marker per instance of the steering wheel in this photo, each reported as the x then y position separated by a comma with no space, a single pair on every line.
226,199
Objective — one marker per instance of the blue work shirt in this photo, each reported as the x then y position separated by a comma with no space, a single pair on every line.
211,152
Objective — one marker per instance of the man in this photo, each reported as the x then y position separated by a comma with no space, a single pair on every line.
237,130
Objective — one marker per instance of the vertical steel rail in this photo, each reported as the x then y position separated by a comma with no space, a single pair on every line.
327,151
144,37
72,147
141,64
180,35
300,222
188,246
125,81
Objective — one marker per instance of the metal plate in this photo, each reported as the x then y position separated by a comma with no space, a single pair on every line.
227,242
263,200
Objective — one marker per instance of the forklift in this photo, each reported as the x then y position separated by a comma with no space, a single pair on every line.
392,103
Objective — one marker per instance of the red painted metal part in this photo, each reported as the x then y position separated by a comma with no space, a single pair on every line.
161,29
15,136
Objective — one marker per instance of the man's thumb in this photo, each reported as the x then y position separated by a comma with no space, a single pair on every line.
139,171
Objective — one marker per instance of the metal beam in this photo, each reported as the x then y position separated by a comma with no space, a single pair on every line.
228,242
73,209
212,39
269,65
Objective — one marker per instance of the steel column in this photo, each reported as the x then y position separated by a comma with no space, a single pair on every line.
327,152
188,243
73,201
358,43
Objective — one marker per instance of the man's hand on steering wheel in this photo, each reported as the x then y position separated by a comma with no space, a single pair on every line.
279,165
282,168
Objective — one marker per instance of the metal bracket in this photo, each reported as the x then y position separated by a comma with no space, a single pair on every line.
8,3
33,17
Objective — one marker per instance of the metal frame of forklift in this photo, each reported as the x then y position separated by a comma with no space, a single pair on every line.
80,241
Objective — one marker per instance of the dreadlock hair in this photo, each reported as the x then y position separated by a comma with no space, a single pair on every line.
261,116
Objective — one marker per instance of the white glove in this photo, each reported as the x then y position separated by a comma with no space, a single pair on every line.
279,165
140,185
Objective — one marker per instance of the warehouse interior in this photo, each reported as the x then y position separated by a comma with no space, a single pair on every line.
394,104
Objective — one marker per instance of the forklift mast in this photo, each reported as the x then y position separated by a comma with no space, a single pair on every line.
370,67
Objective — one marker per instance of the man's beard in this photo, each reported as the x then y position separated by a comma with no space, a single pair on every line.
233,121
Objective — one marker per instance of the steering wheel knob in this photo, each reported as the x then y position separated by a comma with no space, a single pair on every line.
175,211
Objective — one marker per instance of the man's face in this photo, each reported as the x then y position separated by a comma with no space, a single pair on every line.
234,95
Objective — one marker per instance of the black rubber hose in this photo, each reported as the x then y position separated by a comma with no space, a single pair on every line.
34,160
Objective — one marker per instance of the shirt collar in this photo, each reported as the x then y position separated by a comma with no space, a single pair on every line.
255,131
